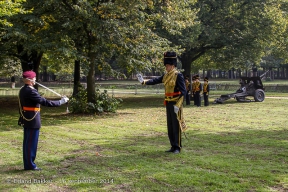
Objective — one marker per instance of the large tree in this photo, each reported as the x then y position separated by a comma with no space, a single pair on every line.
119,32
31,34
9,8
133,34
230,32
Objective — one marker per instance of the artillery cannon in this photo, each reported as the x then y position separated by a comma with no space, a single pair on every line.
249,86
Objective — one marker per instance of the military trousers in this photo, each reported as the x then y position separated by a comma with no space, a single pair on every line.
197,98
187,98
206,99
30,143
174,131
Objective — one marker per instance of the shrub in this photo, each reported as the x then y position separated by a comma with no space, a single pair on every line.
268,79
104,103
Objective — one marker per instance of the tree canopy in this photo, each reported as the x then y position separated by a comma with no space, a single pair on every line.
230,33
132,35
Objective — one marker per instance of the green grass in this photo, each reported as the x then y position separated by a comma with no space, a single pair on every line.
230,147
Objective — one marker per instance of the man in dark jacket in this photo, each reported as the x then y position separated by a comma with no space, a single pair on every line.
175,92
29,109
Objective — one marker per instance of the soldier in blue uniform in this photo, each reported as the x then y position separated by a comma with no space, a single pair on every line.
29,109
175,92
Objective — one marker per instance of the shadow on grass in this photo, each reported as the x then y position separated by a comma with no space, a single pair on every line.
234,101
143,102
57,115
250,160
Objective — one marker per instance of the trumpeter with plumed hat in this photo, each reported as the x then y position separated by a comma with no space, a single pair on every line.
175,92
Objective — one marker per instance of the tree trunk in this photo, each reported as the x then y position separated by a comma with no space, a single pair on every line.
287,72
220,73
45,75
230,74
91,79
76,77
209,73
34,58
186,64
254,70
278,72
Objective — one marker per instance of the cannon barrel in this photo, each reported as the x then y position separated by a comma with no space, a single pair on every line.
261,76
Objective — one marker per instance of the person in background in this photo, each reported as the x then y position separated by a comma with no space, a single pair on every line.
188,89
175,92
13,82
29,109
193,89
206,90
198,89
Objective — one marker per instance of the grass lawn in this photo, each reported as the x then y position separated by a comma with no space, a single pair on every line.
230,147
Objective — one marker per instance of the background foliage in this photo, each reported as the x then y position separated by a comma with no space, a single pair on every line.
121,38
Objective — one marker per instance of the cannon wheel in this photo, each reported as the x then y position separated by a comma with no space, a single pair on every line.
259,95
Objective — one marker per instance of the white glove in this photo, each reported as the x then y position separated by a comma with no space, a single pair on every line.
140,78
64,100
176,109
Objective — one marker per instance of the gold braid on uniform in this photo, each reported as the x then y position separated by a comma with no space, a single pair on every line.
205,87
197,86
169,81
193,87
187,85
181,120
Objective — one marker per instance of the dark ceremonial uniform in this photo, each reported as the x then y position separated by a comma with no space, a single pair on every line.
178,90
193,89
29,108
206,90
188,89
197,96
